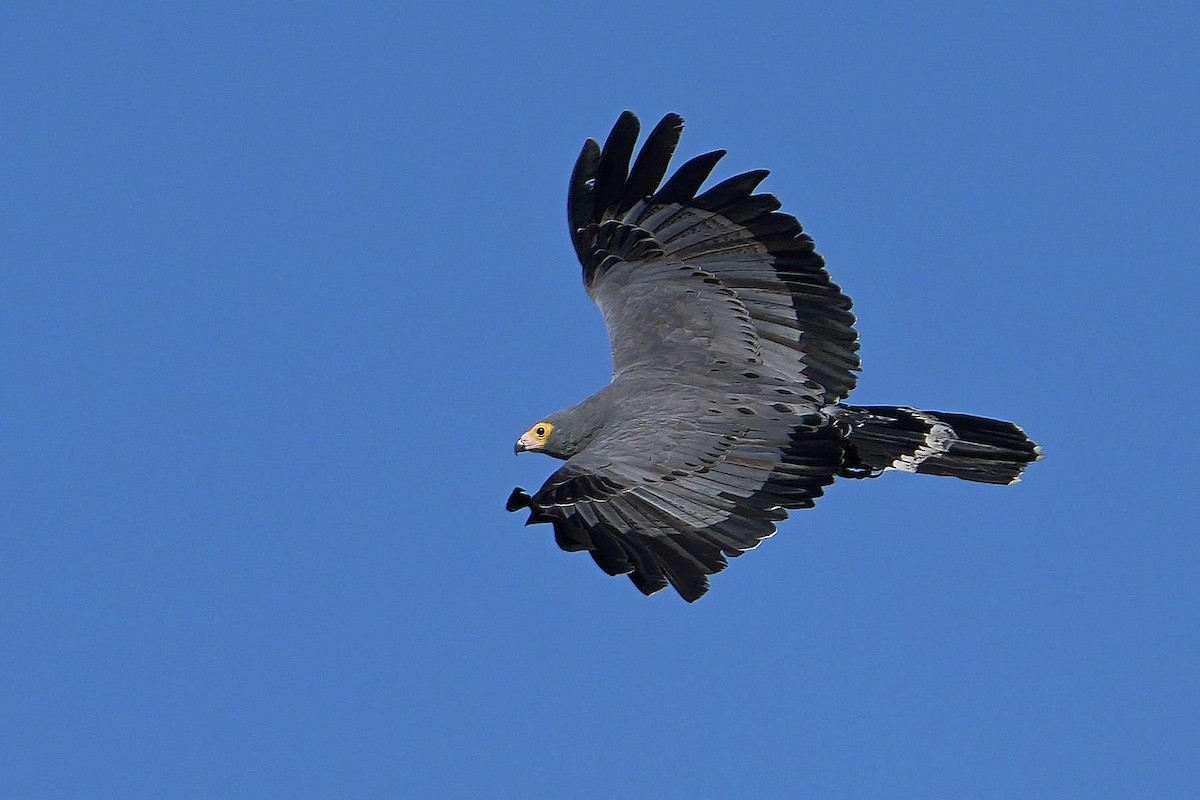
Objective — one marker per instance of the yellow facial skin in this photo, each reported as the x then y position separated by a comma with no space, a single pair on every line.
541,432
534,438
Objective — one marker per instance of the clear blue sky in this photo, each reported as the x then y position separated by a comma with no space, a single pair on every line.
280,287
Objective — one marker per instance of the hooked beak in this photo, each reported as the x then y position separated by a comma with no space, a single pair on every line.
526,442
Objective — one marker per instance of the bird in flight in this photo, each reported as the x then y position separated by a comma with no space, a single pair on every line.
732,354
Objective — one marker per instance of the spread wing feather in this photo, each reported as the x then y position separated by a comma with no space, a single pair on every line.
733,260
652,162
675,518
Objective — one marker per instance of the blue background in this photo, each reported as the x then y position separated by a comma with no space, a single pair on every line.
281,284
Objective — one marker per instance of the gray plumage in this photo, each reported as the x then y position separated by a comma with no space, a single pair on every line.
731,351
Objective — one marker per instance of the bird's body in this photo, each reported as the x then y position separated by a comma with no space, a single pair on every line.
732,351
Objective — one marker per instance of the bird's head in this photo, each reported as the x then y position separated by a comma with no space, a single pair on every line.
566,433
536,439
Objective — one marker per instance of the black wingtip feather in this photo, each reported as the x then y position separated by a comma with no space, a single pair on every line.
687,180
613,170
652,162
580,196
731,190
608,553
688,567
572,537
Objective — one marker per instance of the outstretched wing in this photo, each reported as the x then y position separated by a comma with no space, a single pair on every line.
665,499
685,278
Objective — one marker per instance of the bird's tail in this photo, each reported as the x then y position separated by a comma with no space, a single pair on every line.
934,443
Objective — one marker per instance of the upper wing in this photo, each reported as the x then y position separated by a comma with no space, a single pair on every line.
686,278
667,498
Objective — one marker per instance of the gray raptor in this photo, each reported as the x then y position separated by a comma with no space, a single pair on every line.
732,352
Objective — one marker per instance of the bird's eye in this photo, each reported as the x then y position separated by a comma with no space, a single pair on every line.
540,431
